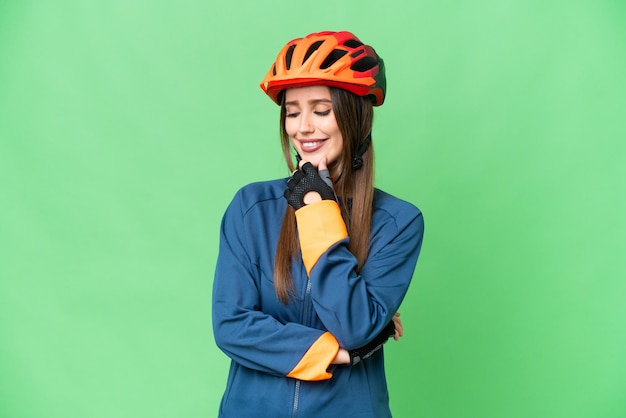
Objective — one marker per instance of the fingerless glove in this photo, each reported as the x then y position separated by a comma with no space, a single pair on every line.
304,181
370,348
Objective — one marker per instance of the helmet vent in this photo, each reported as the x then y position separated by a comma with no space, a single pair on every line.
288,56
352,43
274,70
364,64
332,58
314,46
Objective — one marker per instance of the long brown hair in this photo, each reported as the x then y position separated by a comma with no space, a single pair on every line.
353,187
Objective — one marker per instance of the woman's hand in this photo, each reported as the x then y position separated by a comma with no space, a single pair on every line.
342,357
399,330
322,169
307,185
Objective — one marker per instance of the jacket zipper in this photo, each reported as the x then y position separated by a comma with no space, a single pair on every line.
306,318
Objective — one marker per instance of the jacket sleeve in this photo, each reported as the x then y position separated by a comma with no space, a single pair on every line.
319,227
248,335
355,307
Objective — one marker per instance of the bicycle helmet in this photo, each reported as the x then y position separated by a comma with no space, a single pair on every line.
337,59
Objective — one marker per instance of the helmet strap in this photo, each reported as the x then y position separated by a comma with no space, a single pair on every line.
357,160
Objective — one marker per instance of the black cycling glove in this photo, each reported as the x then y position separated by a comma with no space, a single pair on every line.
370,348
306,180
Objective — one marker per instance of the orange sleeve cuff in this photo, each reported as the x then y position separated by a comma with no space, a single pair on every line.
320,225
314,364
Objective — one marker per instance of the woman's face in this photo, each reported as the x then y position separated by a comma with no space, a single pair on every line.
311,124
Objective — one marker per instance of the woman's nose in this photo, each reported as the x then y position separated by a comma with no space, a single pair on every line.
306,124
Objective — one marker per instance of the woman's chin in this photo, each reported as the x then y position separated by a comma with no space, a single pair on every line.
314,160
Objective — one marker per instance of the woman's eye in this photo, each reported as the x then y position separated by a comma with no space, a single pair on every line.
323,112
292,114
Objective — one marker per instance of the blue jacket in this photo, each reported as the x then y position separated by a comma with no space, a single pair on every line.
280,353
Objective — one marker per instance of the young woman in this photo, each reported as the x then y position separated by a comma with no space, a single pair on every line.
312,269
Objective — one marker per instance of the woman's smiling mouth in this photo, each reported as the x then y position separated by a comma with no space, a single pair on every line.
311,145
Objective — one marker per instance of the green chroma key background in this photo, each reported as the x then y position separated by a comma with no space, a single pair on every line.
127,126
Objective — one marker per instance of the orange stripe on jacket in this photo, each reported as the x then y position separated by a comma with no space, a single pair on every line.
320,225
316,360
